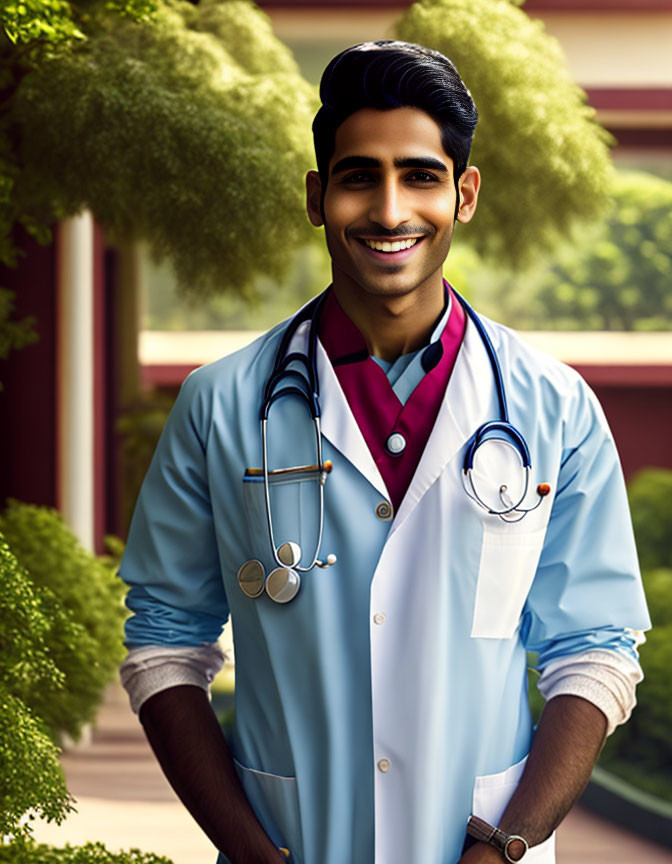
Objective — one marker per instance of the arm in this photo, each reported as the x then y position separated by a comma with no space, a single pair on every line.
192,751
586,595
567,743
179,605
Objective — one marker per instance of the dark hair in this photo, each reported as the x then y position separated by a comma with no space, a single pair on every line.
386,75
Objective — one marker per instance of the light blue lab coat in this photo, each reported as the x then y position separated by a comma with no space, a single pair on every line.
388,701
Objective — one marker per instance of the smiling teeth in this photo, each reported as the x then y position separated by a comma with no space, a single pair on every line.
397,246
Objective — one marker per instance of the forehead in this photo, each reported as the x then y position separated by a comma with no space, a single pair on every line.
399,132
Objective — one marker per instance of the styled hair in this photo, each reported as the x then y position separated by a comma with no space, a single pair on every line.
386,75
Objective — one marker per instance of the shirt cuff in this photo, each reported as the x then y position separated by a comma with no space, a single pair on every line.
606,678
151,668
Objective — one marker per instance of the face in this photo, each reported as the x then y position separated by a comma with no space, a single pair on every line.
389,203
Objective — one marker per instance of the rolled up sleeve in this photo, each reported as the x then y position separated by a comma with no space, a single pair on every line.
171,562
587,594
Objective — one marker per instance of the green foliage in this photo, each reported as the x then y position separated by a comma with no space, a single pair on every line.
29,21
617,275
643,747
192,133
650,495
42,24
29,852
543,158
30,773
82,600
31,778
30,32
25,661
614,275
140,428
13,333
272,300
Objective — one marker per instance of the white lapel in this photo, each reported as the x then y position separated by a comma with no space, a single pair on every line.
468,402
337,420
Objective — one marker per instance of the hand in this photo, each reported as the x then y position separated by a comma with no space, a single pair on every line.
481,853
269,854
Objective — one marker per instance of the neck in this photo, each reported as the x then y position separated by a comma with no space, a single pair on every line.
392,325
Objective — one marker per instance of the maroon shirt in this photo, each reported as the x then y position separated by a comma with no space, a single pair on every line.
377,409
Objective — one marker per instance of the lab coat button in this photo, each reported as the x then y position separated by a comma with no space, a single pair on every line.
384,511
384,765
379,618
396,444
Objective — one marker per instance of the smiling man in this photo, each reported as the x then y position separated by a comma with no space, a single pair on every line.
394,499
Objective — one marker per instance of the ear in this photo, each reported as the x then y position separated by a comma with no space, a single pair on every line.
314,198
468,184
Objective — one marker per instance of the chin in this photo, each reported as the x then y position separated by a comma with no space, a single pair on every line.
391,286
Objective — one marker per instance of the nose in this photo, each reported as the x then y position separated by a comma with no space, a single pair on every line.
389,207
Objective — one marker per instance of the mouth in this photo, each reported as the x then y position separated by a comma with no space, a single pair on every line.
390,250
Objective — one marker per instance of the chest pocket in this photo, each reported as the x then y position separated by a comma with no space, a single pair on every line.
295,510
508,563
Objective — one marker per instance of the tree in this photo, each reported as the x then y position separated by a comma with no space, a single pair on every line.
612,275
31,31
192,132
617,275
544,159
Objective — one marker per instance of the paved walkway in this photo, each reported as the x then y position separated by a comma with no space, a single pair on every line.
124,801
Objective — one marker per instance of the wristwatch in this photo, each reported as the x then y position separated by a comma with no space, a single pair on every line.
512,846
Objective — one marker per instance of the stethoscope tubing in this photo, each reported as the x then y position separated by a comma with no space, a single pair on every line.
306,388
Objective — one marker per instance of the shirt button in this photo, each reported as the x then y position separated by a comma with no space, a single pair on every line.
384,511
384,765
379,618
396,444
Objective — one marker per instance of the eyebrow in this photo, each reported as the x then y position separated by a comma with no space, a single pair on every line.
425,162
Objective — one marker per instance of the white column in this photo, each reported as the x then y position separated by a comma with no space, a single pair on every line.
75,375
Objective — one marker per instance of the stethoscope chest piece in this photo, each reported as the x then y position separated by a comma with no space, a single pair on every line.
251,578
282,584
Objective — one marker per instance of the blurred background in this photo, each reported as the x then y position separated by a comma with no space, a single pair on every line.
152,157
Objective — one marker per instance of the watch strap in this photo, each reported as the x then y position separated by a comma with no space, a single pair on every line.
481,830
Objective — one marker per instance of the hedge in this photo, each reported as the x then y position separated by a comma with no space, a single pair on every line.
31,778
83,602
29,852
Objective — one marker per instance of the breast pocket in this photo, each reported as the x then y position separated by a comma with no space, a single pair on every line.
492,793
508,562
295,502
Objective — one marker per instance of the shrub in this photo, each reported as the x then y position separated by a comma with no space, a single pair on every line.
82,601
650,494
91,853
645,739
140,428
31,778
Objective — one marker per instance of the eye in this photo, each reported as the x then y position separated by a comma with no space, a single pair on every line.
422,177
357,178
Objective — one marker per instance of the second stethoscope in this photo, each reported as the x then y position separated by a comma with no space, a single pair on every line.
283,582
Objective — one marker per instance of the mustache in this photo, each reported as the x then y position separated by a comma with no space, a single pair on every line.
393,234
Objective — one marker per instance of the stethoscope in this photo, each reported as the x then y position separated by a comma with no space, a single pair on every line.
283,582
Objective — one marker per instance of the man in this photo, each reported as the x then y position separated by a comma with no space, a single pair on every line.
381,696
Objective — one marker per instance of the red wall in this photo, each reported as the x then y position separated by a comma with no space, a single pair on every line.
28,400
641,420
